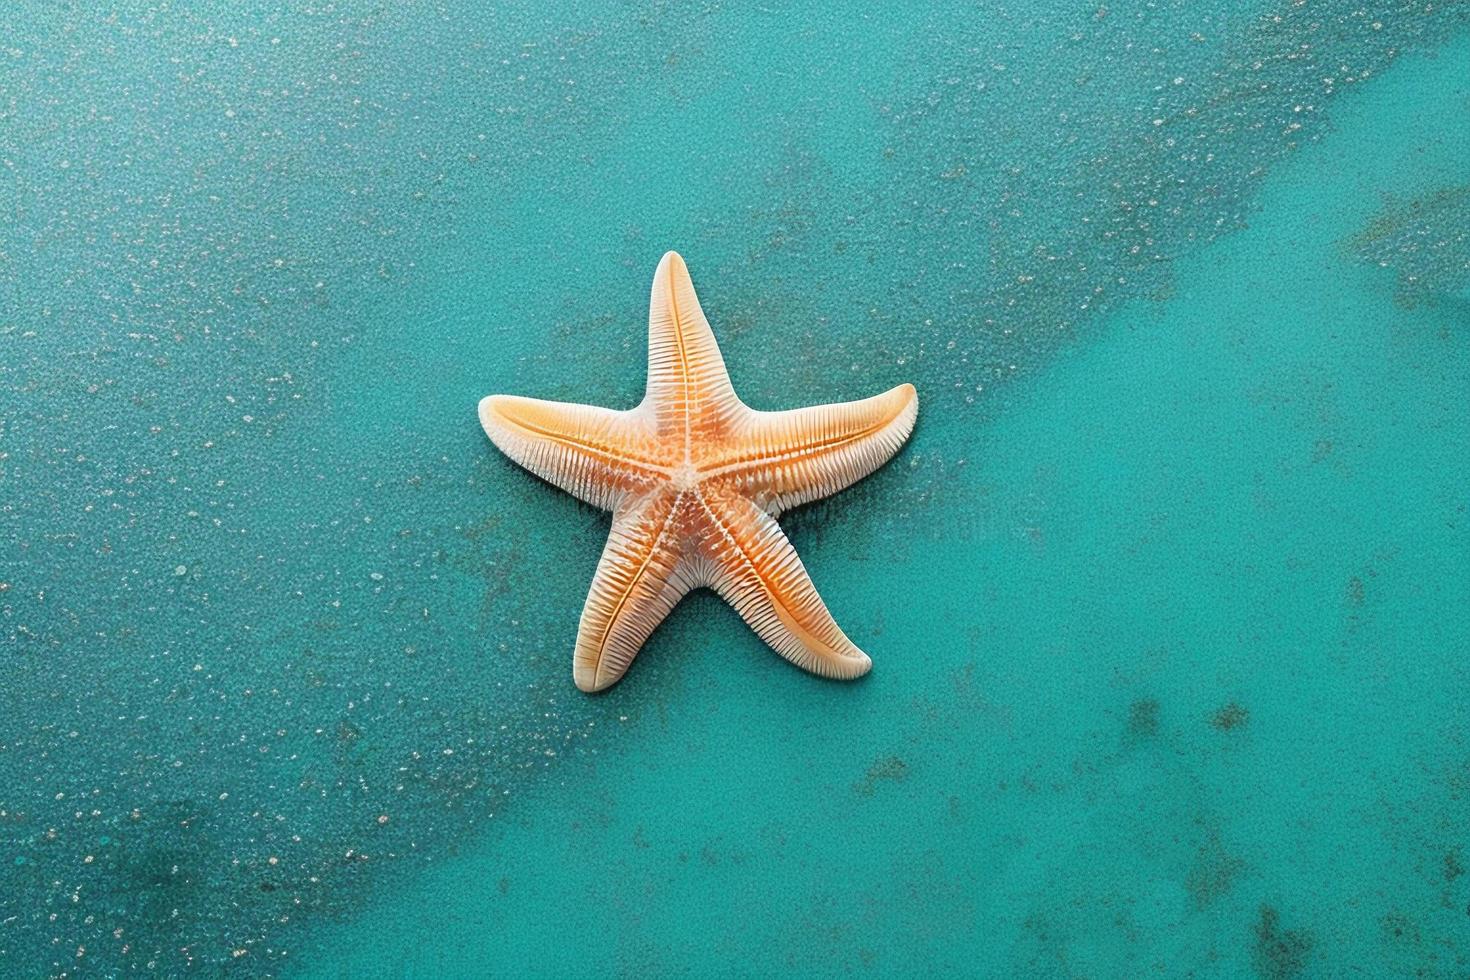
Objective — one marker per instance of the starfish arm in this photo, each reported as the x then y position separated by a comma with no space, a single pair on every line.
755,568
638,582
806,454
596,454
687,380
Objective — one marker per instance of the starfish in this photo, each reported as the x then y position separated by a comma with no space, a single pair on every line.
695,480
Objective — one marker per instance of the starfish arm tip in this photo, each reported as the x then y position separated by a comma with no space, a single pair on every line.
852,667
489,413
496,419
910,410
585,677
842,661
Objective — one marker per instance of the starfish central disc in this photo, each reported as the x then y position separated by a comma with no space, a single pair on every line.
695,479
685,477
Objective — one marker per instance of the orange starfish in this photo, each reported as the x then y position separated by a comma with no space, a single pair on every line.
695,479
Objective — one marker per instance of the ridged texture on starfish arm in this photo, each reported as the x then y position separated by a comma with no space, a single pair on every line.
756,570
694,478
687,380
806,454
638,582
595,454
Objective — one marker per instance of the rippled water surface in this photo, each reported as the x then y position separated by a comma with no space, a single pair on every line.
1166,596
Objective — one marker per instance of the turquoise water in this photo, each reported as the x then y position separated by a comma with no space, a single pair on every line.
1166,596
